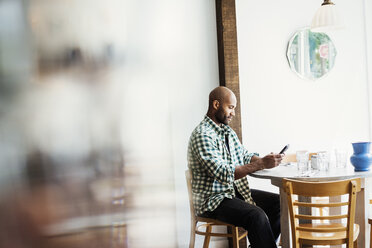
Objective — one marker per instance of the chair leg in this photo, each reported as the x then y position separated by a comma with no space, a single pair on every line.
207,236
235,237
370,239
192,235
297,245
355,244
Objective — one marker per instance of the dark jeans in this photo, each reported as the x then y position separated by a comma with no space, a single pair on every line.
262,221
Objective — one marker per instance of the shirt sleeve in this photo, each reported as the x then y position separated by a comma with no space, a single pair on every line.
209,155
247,156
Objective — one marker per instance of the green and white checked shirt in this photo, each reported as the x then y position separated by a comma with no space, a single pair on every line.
213,166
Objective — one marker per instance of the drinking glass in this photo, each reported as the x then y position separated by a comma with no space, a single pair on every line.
323,161
340,159
302,162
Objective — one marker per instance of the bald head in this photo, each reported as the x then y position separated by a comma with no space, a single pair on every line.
220,94
222,103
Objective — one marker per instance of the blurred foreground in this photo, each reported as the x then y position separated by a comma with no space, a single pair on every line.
80,162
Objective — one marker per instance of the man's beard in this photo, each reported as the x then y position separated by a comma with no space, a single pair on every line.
221,118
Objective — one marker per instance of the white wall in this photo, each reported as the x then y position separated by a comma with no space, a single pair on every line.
172,58
195,74
278,107
368,29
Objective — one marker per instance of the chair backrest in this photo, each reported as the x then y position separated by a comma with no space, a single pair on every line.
189,190
291,157
322,189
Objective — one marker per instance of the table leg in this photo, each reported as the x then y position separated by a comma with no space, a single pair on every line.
304,210
284,220
361,215
335,211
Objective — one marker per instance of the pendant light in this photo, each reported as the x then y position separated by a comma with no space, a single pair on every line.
326,18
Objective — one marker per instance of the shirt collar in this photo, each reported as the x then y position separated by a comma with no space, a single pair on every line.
223,129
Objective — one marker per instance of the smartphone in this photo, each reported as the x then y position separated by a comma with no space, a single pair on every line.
284,149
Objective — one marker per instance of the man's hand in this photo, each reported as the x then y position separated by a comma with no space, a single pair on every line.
271,160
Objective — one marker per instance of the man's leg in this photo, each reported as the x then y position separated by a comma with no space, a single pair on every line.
270,203
252,218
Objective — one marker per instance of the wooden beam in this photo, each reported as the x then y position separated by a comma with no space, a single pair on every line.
228,63
228,54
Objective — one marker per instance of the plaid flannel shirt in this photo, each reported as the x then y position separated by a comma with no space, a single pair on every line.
213,166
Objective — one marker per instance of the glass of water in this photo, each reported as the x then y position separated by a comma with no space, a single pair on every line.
302,158
341,159
323,161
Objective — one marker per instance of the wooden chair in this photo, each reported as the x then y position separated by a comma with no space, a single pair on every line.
208,224
291,158
322,233
370,222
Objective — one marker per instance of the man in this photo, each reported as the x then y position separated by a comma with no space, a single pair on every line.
219,166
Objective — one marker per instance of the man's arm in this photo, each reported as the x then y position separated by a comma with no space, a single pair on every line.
257,163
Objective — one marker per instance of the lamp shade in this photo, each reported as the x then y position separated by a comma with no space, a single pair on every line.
326,19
